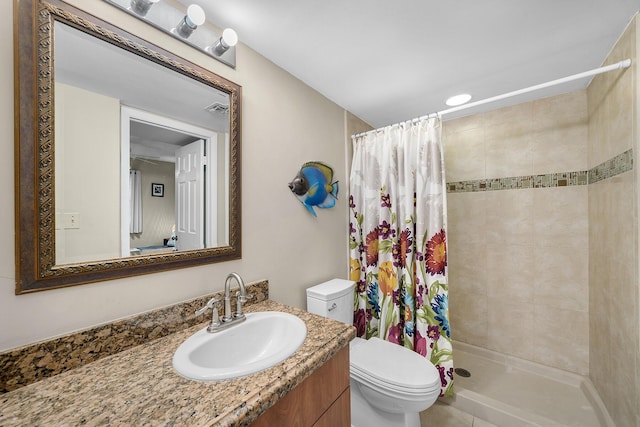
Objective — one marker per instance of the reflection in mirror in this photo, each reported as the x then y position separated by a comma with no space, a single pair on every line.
103,210
127,156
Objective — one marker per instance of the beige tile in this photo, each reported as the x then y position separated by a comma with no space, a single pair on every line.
625,392
624,320
599,355
623,362
600,297
511,325
562,111
560,214
560,149
510,122
464,155
510,271
509,156
619,235
508,141
509,216
443,415
613,291
467,217
561,339
463,124
596,94
561,276
621,113
597,208
598,126
468,316
467,264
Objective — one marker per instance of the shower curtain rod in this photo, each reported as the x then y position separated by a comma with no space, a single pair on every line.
617,66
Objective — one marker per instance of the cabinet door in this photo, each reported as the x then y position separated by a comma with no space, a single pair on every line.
338,414
304,405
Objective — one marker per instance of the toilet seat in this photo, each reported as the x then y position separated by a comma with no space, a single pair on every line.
387,366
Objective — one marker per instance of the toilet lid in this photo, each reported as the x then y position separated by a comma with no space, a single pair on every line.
392,366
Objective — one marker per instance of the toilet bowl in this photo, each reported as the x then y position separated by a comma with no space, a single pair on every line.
390,385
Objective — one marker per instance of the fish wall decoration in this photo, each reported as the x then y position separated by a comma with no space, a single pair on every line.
313,187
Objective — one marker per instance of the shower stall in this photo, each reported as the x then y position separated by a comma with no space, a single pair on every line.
543,258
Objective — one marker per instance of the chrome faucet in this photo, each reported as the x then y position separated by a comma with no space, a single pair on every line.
229,318
241,295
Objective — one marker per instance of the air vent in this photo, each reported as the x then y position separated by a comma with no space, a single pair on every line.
218,108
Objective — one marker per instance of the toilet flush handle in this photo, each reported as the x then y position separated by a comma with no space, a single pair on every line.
333,306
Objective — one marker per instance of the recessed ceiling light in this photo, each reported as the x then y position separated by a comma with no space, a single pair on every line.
458,100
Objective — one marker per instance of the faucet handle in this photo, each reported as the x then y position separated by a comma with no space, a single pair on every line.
240,300
243,298
210,304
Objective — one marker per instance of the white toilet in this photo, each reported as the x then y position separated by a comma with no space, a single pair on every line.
390,385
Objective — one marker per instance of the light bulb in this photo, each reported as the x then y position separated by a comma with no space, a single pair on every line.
228,39
195,16
141,7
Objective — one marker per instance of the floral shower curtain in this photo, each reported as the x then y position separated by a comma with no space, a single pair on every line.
398,245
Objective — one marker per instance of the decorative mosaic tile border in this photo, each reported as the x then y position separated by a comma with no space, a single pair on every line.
31,363
562,179
612,167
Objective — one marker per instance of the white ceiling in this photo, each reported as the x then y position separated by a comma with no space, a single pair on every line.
86,62
390,61
95,65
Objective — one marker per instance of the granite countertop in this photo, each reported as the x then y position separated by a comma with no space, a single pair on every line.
139,386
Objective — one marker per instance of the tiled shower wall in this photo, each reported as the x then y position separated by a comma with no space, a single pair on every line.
614,305
518,230
543,231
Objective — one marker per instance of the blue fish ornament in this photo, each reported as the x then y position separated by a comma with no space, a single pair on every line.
313,187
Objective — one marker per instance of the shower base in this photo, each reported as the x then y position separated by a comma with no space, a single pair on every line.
508,392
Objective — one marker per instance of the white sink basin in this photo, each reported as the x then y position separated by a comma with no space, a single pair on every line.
263,340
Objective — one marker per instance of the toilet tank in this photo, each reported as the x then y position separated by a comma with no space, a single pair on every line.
332,299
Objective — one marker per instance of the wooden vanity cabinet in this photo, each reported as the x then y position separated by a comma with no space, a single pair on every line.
321,400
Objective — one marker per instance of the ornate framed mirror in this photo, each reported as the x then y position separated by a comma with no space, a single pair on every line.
94,107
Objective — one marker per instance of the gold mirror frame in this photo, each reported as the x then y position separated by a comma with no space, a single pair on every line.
35,149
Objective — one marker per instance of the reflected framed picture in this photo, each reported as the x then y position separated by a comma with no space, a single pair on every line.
157,190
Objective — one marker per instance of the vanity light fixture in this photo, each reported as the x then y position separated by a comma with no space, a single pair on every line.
228,39
141,7
181,22
456,100
195,16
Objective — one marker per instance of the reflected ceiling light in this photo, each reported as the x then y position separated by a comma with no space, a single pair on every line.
228,39
456,100
141,7
195,16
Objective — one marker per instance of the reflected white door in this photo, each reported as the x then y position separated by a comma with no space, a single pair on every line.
190,163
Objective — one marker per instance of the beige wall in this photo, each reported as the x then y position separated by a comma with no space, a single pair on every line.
87,174
613,236
518,257
284,124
